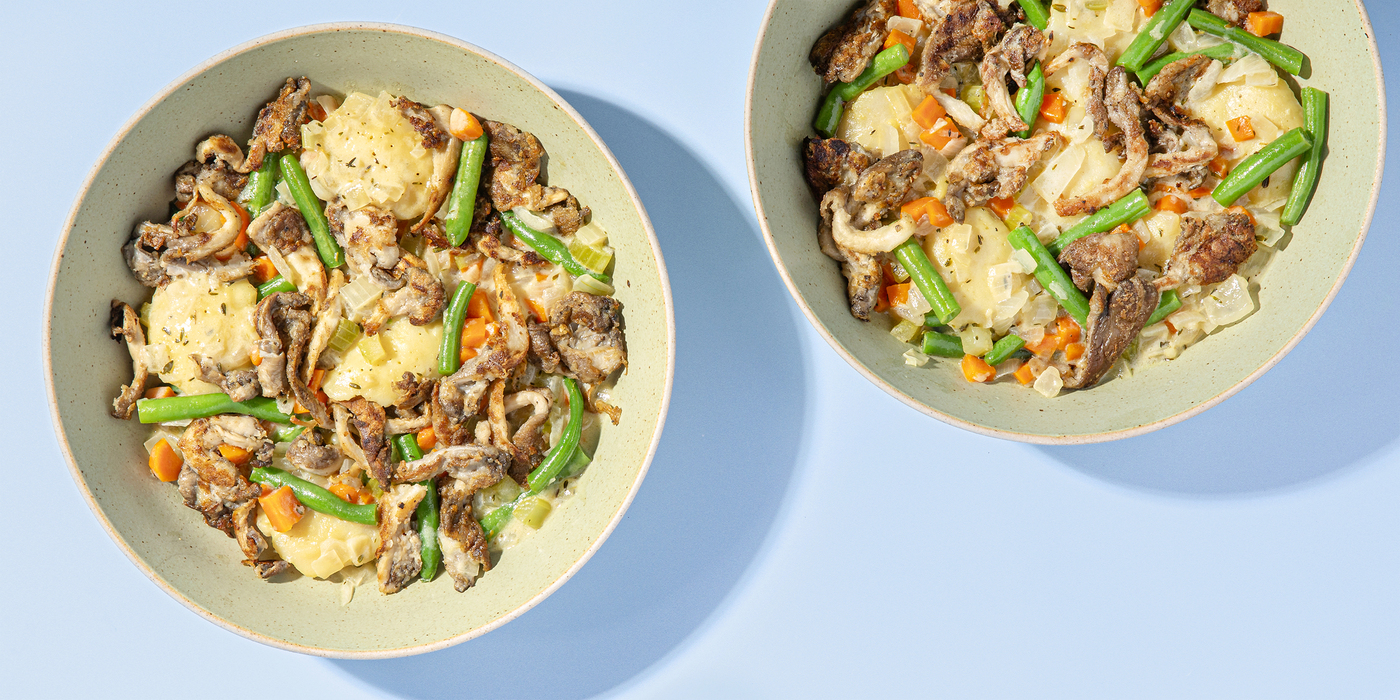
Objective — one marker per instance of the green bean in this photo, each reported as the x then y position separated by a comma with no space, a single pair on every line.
1315,121
428,510
1281,55
1131,207
205,405
1220,52
942,344
1168,305
1028,99
275,285
258,193
450,352
315,497
927,279
461,204
311,210
1262,164
884,63
559,457
286,433
1154,33
1051,276
549,247
1036,16
1003,349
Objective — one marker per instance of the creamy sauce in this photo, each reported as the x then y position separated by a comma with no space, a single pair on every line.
409,348
195,314
366,152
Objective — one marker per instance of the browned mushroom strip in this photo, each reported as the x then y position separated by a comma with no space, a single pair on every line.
463,543
368,419
587,330
989,169
1209,249
210,483
240,385
420,298
310,453
1125,111
1098,73
1115,319
245,532
478,466
515,169
431,125
278,127
969,26
1017,49
1104,258
216,162
1235,11
1195,146
844,51
460,394
399,554
125,324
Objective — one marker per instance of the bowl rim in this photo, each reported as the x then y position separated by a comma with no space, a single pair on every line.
1083,439
561,103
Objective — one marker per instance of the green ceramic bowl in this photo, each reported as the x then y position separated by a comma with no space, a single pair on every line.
1299,283
198,565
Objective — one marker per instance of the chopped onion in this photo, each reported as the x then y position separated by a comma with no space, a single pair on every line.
360,294
905,331
1183,38
1252,69
908,25
1058,173
1205,84
1025,260
592,285
976,340
961,112
1001,279
533,220
1230,301
914,358
1049,382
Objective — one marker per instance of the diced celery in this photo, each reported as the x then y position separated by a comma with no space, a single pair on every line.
345,336
1017,216
360,294
414,244
900,274
974,95
499,494
592,258
592,285
591,235
372,348
905,331
1096,6
532,511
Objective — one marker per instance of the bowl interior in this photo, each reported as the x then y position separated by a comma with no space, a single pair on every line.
199,565
1296,287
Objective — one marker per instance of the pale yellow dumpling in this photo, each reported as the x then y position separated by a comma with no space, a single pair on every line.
408,348
195,314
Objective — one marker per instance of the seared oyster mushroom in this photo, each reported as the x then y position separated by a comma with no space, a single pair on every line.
278,127
283,321
282,235
368,419
310,453
990,169
216,162
465,469
209,482
1018,49
144,255
526,444
542,351
240,385
1115,319
399,554
1235,11
1124,110
1209,249
477,466
1186,142
191,245
1104,258
844,50
420,296
1098,73
515,169
431,124
460,394
125,324
587,330
370,237
968,27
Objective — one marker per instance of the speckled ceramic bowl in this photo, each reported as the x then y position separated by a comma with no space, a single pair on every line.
198,565
1297,286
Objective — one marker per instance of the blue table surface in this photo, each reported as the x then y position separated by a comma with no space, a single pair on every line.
842,546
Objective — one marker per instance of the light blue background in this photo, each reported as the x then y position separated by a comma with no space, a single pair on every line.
801,534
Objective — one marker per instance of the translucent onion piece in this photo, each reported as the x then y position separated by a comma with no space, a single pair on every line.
914,358
1230,301
976,340
1049,383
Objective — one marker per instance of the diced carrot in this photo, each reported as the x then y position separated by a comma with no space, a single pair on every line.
426,438
1002,206
345,492
164,463
882,302
943,131
1241,128
1241,210
951,92
887,274
1150,7
1123,228
907,8
474,335
463,125
927,114
479,308
932,208
1023,373
264,489
317,376
1199,192
235,454
1053,108
906,73
1068,332
315,111
282,508
160,392
255,357
975,369
538,310
540,277
896,37
263,269
1264,23
1045,345
234,248
1220,167
467,354
1074,351
897,294
1171,203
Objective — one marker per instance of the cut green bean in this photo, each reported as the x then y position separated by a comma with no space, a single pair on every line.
884,63
1281,55
942,344
450,352
275,285
1036,16
1315,121
549,247
257,195
560,456
1262,164
1131,207
428,510
315,497
1156,31
1167,306
1003,349
205,405
1219,52
461,204
311,210
1050,275
927,279
1028,99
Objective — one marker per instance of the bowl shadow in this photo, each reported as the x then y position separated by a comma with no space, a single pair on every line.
720,473
1318,413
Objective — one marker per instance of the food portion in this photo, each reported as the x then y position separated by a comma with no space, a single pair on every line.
1058,194
378,339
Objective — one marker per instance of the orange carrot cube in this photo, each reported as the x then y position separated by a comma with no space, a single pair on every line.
1263,24
1241,128
975,369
